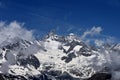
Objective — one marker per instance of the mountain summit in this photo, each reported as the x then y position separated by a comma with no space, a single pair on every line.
58,58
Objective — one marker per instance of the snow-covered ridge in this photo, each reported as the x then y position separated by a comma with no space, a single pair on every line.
68,54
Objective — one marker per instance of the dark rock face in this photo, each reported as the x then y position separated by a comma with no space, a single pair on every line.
57,75
39,77
85,51
31,60
53,72
64,76
68,58
11,77
100,76
18,77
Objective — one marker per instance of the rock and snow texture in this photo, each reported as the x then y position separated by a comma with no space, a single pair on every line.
70,55
55,55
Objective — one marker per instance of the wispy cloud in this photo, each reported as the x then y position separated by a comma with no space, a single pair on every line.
99,42
93,31
14,30
94,36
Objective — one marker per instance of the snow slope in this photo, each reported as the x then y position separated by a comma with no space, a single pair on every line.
58,53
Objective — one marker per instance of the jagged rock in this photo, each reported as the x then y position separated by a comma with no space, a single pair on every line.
69,57
100,76
11,77
31,60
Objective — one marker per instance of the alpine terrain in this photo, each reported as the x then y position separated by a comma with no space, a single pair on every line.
58,58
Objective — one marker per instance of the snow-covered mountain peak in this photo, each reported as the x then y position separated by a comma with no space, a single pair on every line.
61,54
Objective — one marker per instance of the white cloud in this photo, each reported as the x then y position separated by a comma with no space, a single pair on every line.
14,30
99,42
2,24
93,31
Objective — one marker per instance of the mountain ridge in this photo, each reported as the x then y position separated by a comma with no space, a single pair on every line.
57,57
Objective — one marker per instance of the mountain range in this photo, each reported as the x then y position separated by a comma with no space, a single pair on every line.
58,58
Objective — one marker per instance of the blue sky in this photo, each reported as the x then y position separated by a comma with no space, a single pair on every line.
64,16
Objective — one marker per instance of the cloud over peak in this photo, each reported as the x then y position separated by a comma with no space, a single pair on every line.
14,30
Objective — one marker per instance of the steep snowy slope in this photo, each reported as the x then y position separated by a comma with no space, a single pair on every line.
57,57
